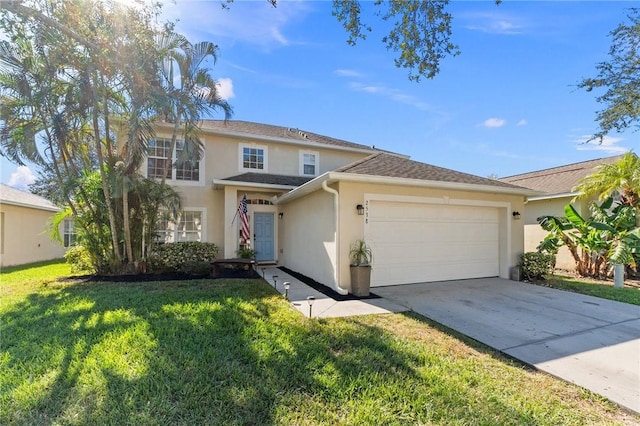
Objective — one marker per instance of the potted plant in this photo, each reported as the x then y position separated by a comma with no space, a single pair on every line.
360,257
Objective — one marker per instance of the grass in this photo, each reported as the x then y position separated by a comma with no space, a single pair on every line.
234,352
602,289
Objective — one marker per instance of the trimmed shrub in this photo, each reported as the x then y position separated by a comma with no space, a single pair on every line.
80,260
187,257
536,265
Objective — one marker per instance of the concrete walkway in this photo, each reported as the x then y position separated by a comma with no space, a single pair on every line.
592,342
324,306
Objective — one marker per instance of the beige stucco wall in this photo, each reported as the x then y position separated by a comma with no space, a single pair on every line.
24,236
222,157
307,236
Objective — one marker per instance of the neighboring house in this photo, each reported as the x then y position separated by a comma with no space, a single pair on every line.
424,223
557,185
24,233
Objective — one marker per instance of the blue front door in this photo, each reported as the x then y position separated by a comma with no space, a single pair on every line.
263,241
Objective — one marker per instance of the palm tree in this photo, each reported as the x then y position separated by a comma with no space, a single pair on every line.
191,94
621,177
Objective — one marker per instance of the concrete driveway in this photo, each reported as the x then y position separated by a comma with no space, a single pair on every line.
589,341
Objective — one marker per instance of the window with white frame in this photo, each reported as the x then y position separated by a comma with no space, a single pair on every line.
188,169
186,227
308,163
69,233
159,155
189,226
253,158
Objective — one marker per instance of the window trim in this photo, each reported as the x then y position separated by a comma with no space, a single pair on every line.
265,158
316,164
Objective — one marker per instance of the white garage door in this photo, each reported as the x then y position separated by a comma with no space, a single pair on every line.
415,242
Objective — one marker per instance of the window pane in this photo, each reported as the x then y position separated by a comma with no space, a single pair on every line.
159,156
69,233
190,226
309,169
164,228
253,158
309,164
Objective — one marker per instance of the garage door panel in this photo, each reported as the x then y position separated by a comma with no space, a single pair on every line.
422,242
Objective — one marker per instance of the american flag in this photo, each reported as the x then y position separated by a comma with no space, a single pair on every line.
244,219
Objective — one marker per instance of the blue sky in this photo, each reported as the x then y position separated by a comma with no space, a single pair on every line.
508,104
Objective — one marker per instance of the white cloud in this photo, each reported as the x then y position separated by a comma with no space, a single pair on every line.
608,145
348,73
225,88
21,178
255,23
494,122
494,23
522,122
393,94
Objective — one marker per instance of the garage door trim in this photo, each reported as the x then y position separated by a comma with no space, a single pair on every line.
504,212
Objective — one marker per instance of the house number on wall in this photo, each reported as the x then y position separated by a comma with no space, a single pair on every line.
366,211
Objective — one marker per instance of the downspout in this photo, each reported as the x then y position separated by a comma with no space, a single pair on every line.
336,205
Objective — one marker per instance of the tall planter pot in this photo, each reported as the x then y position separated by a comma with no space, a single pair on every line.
360,280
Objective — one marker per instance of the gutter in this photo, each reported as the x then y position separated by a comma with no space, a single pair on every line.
336,205
223,182
31,206
283,140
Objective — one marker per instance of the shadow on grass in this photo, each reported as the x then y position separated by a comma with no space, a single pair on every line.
218,352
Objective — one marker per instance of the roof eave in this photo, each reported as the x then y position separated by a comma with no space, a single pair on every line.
31,206
316,184
256,137
224,182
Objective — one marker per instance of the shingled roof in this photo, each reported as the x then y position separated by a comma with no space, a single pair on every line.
13,196
279,132
389,165
270,179
559,180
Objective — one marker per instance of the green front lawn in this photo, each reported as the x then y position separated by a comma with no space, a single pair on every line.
234,352
603,289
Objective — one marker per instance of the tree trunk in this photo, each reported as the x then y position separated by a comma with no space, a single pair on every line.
103,175
125,221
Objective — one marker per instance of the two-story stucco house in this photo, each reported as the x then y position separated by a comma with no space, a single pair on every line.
310,196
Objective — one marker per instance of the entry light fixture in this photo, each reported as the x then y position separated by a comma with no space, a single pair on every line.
516,215
280,215
360,209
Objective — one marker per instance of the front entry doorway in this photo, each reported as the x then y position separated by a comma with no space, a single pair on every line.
263,237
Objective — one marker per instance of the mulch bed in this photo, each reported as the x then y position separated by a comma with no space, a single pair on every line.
327,291
225,273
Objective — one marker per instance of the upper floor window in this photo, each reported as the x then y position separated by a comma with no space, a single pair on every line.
69,233
253,158
308,163
160,155
189,169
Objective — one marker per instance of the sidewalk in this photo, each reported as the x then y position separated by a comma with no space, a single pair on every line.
324,306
